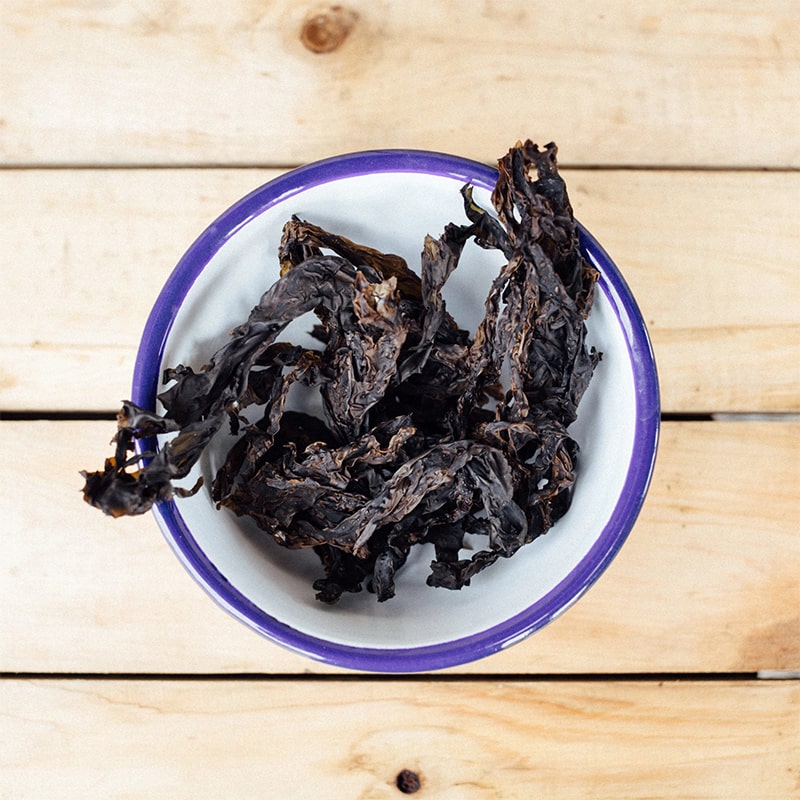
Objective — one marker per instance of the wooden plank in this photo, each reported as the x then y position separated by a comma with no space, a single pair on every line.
706,582
154,83
710,258
115,739
87,253
102,243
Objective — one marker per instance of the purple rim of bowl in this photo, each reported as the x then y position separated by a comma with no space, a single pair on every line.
470,648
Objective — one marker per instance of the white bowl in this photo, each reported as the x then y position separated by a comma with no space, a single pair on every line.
389,200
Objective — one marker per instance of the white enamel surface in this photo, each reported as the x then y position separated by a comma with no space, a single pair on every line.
393,212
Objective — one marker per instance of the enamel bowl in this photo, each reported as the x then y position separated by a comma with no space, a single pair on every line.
389,200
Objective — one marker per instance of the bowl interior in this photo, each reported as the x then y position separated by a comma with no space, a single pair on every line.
390,205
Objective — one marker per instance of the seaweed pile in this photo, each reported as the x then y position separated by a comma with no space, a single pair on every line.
420,440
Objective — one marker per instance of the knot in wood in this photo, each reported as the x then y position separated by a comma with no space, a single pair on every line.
407,781
326,29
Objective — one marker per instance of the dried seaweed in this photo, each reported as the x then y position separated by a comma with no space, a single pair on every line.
419,443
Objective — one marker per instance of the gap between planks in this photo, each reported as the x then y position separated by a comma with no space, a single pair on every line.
615,677
668,416
243,165
221,165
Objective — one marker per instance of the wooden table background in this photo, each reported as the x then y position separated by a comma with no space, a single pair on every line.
126,127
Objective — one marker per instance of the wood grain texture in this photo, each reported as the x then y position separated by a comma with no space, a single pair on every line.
199,83
178,109
100,244
706,582
707,255
176,739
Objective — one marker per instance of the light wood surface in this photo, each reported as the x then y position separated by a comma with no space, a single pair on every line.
341,739
710,568
705,253
635,83
126,128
